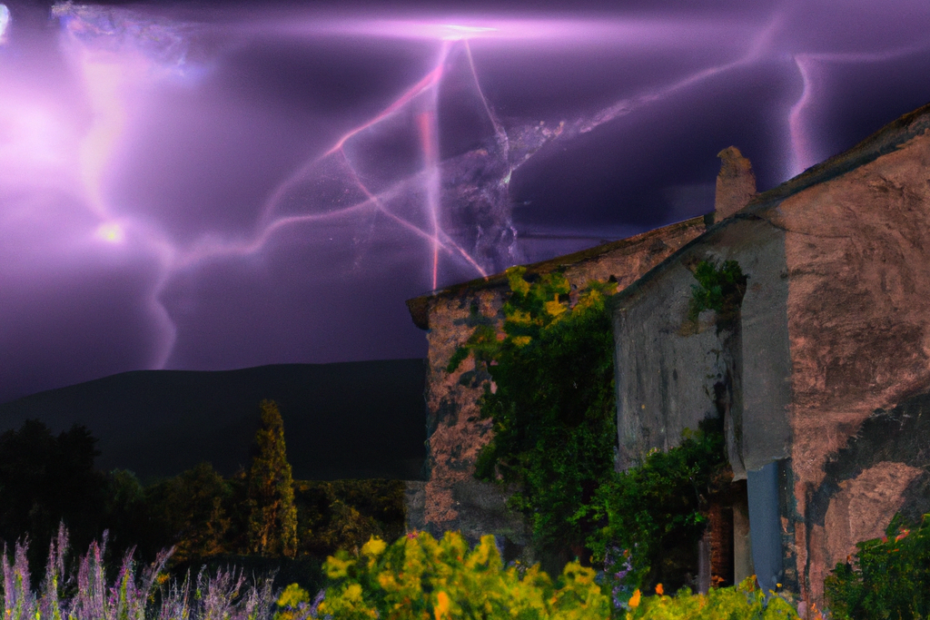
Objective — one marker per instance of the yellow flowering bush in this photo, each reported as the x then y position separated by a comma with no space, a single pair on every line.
420,578
292,603
744,602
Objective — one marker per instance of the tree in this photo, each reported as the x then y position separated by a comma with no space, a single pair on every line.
191,506
272,512
45,480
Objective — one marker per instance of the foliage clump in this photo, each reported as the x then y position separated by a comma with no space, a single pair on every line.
343,514
554,420
419,577
888,577
744,601
656,511
195,505
720,288
551,402
46,478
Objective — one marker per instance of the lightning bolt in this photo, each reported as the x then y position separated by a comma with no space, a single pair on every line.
418,203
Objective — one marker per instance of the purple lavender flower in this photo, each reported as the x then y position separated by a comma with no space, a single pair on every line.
612,559
315,606
126,598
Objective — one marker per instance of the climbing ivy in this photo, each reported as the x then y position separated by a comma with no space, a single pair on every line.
551,399
720,288
552,402
655,512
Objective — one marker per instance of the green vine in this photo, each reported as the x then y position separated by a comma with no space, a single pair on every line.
555,435
656,511
552,404
719,288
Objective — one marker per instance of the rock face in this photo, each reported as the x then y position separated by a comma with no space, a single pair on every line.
832,334
452,499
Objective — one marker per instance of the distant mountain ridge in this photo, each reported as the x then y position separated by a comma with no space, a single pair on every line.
346,420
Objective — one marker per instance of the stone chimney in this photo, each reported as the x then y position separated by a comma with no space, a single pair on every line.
736,183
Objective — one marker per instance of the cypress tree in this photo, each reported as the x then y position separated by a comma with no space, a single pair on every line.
272,512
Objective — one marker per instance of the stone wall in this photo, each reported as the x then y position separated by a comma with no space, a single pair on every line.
823,379
671,372
858,258
834,333
451,498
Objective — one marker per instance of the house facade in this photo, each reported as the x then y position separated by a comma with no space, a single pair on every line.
819,367
451,499
822,369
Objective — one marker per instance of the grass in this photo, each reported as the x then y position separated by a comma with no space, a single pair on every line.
86,594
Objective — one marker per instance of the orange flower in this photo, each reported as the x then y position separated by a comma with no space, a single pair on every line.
443,603
634,601
659,590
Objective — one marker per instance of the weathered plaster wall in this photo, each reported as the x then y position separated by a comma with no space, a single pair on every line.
452,499
671,374
858,257
884,468
857,252
765,360
834,330
665,367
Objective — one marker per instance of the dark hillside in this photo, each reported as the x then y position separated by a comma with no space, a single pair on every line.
350,420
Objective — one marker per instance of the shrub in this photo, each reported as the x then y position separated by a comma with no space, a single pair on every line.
418,577
653,512
886,578
343,514
552,406
744,602
294,604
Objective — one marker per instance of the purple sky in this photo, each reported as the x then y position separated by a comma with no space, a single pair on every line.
231,185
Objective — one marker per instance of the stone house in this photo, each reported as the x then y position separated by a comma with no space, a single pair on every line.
822,372
451,499
820,367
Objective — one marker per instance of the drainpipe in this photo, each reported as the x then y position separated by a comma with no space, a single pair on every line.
764,525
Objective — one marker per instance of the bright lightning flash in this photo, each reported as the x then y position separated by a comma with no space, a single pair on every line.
118,56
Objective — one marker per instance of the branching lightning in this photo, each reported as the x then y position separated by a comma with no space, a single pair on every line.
116,54
804,152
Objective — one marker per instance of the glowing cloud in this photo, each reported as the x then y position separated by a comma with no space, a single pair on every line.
4,22
237,174
111,232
